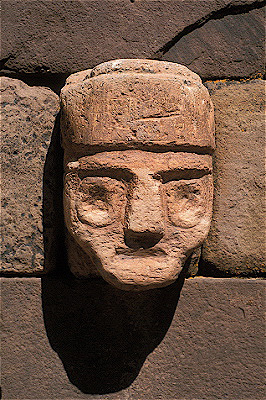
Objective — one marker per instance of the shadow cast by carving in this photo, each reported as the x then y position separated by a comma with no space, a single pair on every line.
102,334
53,218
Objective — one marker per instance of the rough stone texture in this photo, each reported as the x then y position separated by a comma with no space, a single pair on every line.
229,47
27,123
60,36
101,337
139,211
235,244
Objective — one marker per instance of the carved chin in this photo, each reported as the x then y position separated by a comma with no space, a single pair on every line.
138,272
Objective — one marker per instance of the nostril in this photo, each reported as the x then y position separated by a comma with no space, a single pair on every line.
145,240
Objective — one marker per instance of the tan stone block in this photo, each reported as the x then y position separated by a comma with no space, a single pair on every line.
236,242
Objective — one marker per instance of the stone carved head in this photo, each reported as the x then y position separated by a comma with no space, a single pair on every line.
138,137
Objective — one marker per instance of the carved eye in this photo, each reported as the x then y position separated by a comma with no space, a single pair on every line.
99,200
188,201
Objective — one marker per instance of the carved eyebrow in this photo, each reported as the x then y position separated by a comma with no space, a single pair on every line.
178,174
120,174
95,168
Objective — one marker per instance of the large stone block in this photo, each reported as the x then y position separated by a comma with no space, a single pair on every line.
235,244
229,47
28,118
60,36
97,342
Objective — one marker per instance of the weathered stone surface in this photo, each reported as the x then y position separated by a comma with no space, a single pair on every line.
138,137
134,103
229,47
101,337
62,36
235,244
28,117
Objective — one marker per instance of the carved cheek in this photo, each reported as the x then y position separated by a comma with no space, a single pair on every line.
100,201
189,202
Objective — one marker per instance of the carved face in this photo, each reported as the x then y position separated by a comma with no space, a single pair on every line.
137,214
138,207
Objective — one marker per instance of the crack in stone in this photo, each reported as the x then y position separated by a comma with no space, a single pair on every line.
158,116
219,14
55,81
153,119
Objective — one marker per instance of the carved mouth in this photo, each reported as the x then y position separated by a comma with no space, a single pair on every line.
140,252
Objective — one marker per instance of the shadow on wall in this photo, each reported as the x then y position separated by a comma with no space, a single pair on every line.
53,218
101,334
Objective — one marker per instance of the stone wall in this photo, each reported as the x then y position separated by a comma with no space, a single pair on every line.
71,339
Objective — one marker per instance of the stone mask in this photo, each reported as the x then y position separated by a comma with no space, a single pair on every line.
138,137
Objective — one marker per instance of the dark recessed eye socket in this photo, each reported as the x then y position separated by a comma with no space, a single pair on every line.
99,200
177,174
100,188
188,201
94,191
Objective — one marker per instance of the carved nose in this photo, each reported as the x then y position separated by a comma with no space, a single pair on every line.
144,220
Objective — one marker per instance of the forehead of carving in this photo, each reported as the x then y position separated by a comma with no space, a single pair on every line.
138,108
133,160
